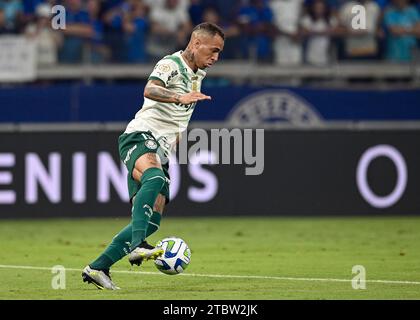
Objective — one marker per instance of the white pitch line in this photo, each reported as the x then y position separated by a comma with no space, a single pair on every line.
2,266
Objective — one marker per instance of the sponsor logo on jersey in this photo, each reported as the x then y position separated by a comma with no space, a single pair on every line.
151,144
172,75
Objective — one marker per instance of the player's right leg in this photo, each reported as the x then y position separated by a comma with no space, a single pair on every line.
145,251
149,173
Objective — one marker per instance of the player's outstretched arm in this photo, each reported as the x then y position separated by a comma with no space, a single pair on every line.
156,91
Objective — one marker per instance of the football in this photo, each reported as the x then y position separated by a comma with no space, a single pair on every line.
176,256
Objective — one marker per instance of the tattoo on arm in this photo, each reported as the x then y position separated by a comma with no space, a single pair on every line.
162,95
158,93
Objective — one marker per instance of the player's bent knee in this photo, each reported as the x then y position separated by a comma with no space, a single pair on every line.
153,177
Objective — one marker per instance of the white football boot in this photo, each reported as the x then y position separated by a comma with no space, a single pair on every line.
100,278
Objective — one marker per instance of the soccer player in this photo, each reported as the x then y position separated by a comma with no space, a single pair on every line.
170,96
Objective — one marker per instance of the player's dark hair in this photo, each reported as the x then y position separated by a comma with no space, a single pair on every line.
210,28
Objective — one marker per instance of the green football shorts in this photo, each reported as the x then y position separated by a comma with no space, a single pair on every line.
131,146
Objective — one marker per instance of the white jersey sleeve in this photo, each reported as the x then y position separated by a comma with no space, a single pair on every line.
165,71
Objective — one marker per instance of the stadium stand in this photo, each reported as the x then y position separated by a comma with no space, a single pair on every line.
269,32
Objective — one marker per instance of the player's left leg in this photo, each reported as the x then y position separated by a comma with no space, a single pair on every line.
145,251
159,206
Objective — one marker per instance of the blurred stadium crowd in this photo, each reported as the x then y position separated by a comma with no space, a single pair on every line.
288,32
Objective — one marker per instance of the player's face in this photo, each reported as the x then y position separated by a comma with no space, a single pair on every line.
207,51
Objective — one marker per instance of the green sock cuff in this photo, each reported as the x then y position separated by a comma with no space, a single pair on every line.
152,173
116,250
103,262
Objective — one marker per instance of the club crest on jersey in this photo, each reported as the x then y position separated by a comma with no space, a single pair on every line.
151,144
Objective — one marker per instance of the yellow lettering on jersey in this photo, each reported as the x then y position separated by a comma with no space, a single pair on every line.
194,84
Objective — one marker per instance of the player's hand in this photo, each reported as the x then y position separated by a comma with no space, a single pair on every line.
193,97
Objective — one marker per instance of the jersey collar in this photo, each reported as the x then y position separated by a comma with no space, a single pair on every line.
199,71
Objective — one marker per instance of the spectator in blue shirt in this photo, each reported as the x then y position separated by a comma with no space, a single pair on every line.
99,52
110,4
255,20
78,29
403,25
226,9
135,26
29,6
3,27
196,11
231,30
13,14
114,29
382,3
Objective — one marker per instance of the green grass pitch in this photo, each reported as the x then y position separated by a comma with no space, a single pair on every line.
232,258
